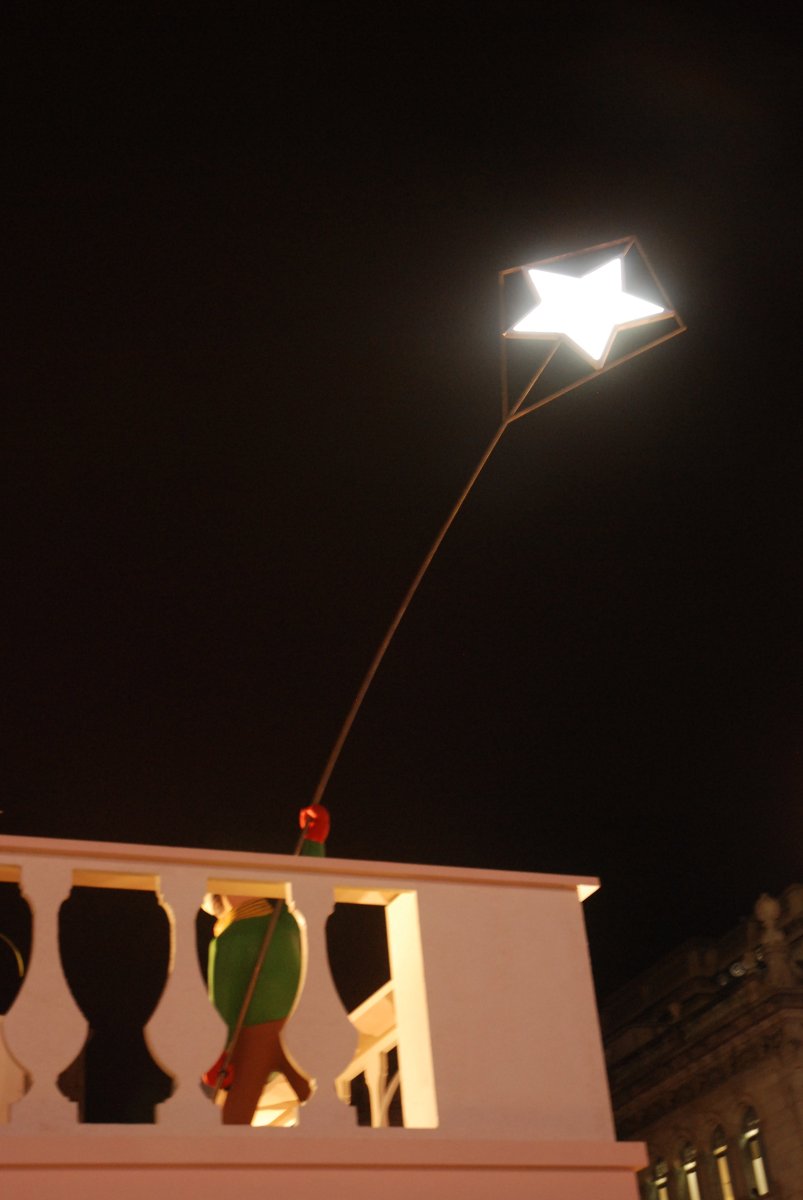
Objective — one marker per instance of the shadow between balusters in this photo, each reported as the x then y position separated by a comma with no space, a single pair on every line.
115,947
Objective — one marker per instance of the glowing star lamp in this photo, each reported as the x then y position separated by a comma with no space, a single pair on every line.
585,311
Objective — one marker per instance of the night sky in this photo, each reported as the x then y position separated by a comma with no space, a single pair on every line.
251,277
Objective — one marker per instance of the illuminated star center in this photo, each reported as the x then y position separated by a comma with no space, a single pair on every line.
586,310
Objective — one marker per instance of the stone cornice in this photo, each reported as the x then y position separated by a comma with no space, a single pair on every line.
772,1028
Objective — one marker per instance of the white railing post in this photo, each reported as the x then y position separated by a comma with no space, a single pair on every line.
185,1032
419,1103
45,1028
319,1034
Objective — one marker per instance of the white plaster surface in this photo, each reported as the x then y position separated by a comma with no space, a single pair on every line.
515,1067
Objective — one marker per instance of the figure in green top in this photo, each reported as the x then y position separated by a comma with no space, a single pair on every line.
256,1051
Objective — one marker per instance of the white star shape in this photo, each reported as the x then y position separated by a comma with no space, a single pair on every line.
586,310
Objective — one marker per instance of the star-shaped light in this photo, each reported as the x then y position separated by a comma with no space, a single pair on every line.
586,310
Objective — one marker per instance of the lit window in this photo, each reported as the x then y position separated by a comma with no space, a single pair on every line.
719,1148
755,1154
659,1178
689,1158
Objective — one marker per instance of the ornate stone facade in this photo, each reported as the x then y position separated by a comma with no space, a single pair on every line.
705,1061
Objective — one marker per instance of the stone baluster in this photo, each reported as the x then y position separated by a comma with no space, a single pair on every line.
12,1079
185,1032
319,1034
45,1028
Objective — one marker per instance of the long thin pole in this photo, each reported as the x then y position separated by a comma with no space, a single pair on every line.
509,415
422,570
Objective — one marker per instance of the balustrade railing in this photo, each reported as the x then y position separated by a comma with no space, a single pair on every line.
486,1025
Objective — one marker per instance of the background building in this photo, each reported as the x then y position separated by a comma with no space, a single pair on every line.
705,1060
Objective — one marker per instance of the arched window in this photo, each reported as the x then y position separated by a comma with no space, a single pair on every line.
757,1171
719,1149
660,1178
688,1158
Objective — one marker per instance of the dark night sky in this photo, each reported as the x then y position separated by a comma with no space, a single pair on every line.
251,273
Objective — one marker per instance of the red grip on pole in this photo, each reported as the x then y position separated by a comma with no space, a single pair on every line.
212,1077
315,821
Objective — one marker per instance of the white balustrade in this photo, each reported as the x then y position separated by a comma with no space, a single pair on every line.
184,1008
489,1010
476,1025
45,1029
319,1035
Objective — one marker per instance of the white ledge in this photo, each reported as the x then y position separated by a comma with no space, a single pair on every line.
110,1145
243,860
